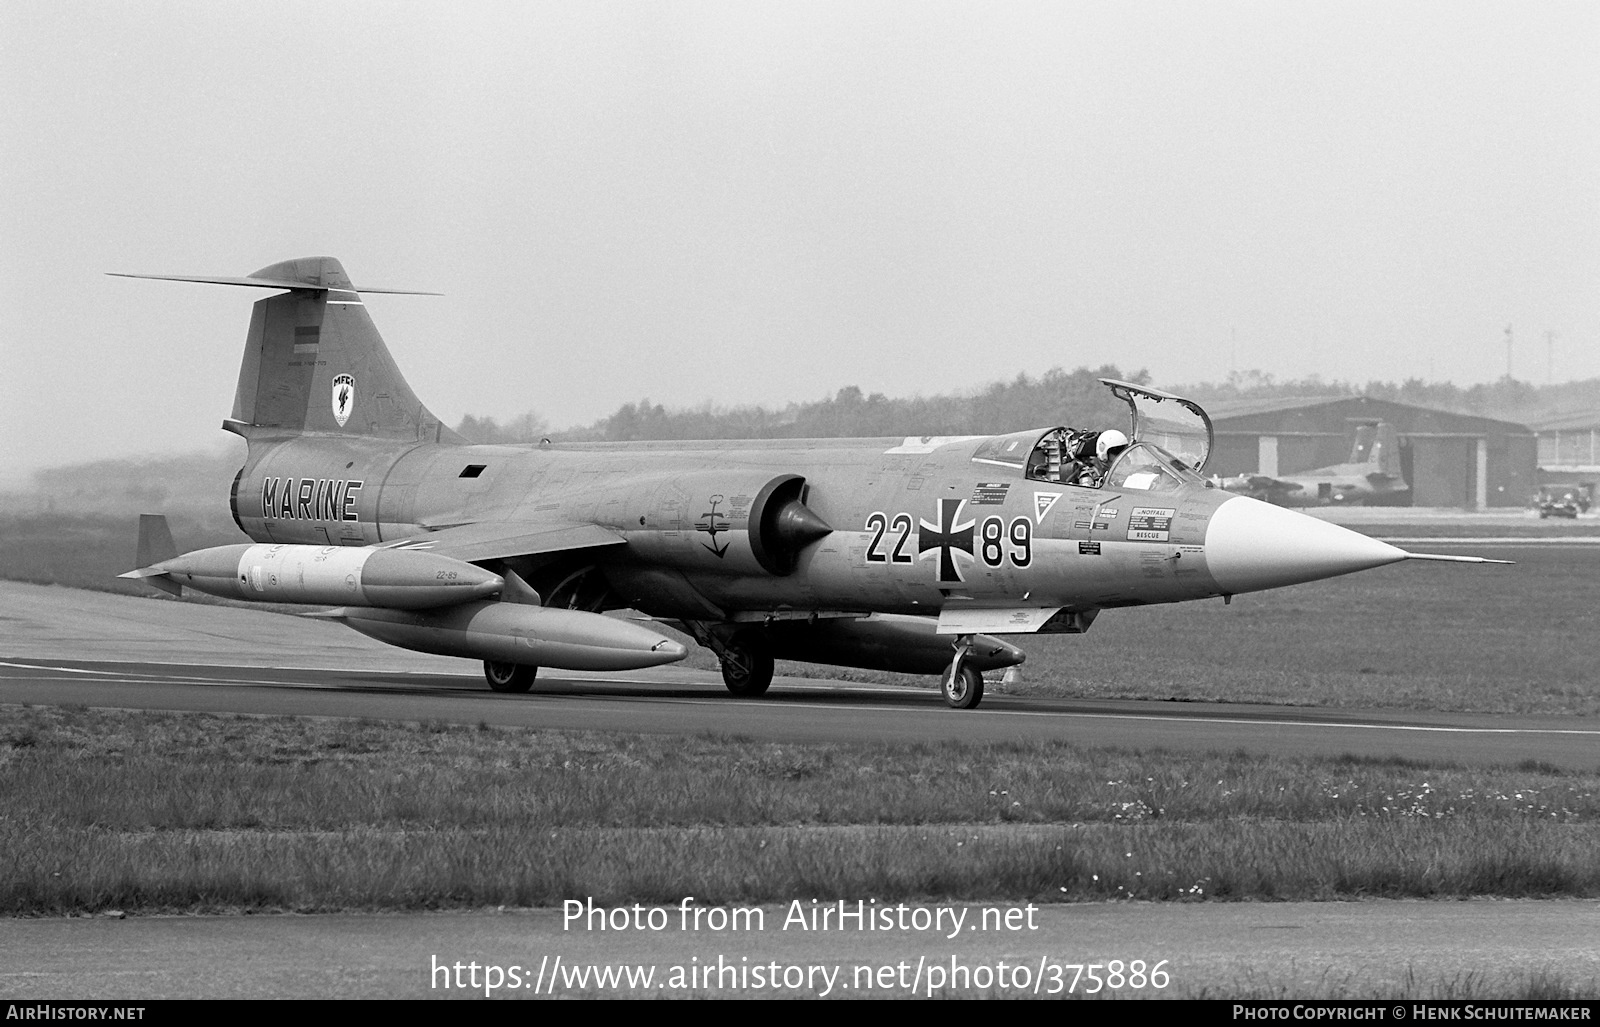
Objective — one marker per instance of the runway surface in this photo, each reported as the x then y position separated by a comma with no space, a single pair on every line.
795,710
63,646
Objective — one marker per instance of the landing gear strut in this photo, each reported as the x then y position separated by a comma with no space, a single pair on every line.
747,664
509,677
961,686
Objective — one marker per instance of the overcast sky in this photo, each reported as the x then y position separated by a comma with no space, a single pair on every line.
756,203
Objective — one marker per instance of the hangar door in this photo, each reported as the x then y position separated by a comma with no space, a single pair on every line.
1444,471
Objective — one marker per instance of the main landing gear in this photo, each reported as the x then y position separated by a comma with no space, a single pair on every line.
961,685
746,664
509,677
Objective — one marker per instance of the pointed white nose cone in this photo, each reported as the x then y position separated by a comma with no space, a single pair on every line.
1251,545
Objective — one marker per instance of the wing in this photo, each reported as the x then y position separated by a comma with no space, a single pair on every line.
490,540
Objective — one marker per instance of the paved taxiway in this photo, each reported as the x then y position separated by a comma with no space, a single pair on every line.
688,702
1217,950
59,646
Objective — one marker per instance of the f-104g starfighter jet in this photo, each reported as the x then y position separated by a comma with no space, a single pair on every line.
926,555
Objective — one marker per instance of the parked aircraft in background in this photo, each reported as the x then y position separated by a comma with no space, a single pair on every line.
1373,473
912,554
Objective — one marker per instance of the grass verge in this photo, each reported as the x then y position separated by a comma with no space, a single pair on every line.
162,812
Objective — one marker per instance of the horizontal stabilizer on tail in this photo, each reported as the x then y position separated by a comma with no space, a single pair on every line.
253,281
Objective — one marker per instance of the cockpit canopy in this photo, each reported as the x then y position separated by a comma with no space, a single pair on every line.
1177,425
1172,437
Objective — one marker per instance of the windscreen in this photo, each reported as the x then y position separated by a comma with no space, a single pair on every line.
1149,469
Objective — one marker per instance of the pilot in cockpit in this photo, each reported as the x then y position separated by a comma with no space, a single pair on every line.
1076,456
1107,448
1093,453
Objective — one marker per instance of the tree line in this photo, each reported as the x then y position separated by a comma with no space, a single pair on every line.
1058,396
1055,397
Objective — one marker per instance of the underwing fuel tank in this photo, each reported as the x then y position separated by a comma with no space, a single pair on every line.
327,576
519,633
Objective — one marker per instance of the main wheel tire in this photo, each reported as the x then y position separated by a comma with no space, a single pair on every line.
964,691
509,677
747,665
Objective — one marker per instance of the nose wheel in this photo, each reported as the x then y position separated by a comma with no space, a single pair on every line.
961,685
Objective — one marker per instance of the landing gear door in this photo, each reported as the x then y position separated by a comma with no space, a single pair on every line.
1177,425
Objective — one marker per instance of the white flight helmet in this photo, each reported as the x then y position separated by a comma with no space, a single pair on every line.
1110,444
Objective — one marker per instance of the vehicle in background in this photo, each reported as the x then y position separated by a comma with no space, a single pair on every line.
1564,500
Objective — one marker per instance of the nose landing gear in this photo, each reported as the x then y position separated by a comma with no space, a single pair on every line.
961,685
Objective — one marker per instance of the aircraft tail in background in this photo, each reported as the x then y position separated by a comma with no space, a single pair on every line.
1373,474
1377,448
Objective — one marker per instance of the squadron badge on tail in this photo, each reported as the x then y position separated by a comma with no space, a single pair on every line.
344,397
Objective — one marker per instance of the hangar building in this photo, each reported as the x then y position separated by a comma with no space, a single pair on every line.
1569,447
1449,459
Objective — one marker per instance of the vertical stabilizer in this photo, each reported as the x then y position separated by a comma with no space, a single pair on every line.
1386,451
1361,451
314,362
1377,449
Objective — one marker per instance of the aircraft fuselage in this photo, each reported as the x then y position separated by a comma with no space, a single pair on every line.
912,531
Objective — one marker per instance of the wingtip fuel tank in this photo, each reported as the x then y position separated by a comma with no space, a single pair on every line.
326,576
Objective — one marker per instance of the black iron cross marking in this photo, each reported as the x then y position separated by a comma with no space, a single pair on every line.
947,536
711,526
